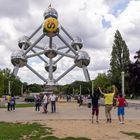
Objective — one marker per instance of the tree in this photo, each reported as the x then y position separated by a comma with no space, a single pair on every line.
119,59
35,88
134,75
1,83
15,84
102,80
74,88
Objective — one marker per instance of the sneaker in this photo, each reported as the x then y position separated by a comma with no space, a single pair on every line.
121,122
107,120
97,121
110,120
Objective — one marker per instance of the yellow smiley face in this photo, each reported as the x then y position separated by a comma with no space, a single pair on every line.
50,24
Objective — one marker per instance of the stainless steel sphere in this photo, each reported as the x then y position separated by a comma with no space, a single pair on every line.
51,34
51,52
50,12
17,59
24,41
82,59
54,67
77,43
51,83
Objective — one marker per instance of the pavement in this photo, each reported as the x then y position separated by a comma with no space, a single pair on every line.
133,101
65,111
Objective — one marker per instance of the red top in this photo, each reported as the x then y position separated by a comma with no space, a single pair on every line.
121,102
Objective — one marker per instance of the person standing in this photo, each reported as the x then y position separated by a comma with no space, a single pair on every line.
53,102
45,103
8,98
108,102
12,103
95,105
80,100
37,103
121,103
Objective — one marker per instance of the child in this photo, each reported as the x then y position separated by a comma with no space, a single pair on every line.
121,103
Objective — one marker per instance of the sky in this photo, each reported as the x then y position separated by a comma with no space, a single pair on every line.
95,22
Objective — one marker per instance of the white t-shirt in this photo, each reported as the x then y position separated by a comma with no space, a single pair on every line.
52,97
45,98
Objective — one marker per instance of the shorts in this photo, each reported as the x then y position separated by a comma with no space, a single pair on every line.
108,108
95,110
120,111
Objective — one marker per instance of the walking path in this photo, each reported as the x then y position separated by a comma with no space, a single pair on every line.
65,111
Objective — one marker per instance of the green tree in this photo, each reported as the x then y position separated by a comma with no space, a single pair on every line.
102,80
35,88
1,83
119,59
74,88
5,77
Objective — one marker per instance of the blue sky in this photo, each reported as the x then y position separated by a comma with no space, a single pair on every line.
120,7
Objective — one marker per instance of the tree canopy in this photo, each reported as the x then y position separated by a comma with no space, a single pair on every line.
119,59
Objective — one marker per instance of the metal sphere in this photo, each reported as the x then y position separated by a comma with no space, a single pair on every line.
82,59
54,67
51,34
51,26
51,51
17,59
77,42
24,41
51,83
50,12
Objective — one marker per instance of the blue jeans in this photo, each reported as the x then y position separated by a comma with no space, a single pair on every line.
53,106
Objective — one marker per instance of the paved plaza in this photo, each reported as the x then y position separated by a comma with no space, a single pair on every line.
65,111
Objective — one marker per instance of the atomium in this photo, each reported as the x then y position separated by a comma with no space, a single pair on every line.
47,66
77,43
82,60
51,51
23,41
50,12
17,59
51,54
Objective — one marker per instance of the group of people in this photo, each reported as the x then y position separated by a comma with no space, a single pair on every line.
10,102
120,103
44,101
111,99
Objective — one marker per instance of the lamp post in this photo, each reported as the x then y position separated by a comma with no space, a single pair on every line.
92,87
122,74
9,87
22,89
80,89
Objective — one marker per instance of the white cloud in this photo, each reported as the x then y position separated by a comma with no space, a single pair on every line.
80,18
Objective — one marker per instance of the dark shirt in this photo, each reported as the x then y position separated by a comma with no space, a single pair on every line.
37,100
94,99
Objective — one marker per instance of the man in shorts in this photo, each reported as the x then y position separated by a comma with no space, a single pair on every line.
95,105
108,102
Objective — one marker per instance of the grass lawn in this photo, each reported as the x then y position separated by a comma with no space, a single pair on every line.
34,131
134,134
25,105
21,105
